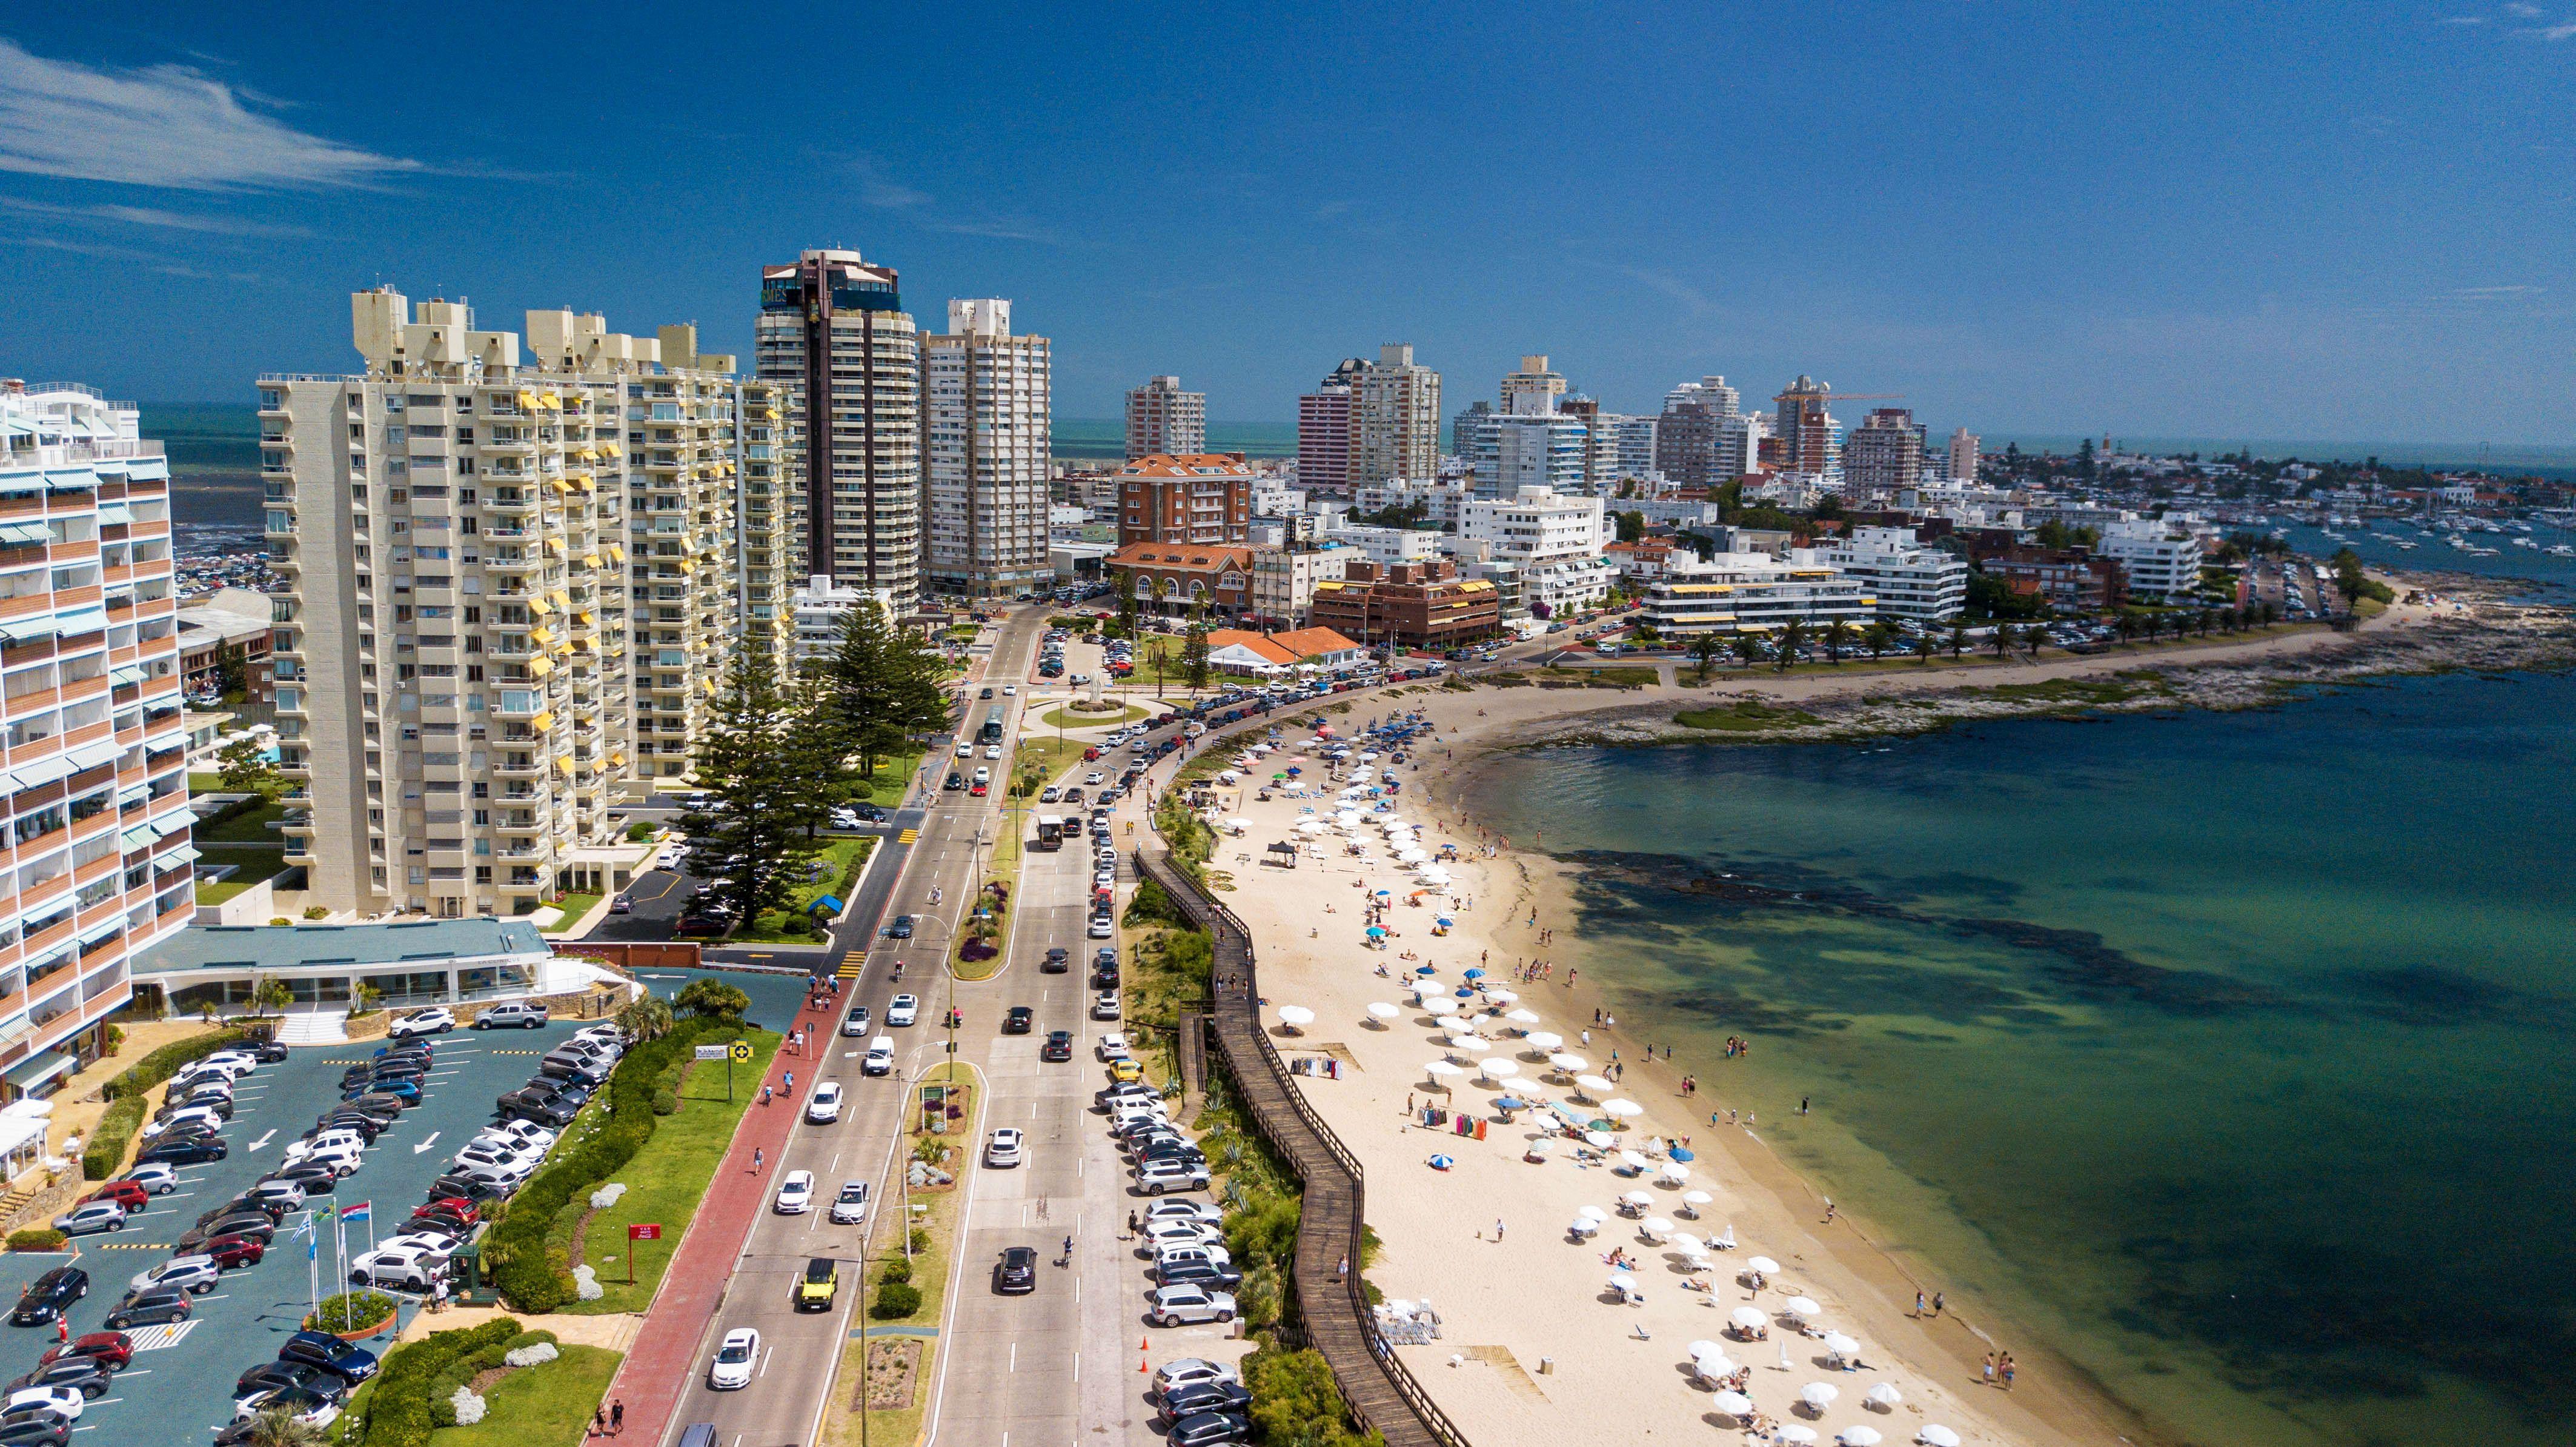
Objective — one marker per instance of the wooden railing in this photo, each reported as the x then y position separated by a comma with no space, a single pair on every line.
1381,1392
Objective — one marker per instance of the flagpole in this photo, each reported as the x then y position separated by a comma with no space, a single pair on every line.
312,1266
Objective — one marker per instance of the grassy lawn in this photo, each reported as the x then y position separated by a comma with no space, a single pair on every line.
667,1178
843,856
250,828
544,1406
1048,758
1066,718
574,905
893,776
254,865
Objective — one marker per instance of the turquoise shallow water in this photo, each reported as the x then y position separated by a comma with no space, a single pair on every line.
2226,1053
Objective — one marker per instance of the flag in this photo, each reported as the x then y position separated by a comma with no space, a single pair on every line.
356,1212
322,1215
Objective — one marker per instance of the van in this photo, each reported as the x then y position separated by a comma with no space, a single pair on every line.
880,1057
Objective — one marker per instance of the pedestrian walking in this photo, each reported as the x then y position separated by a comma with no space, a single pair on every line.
1802,1105
616,1417
2008,1371
1829,1210
764,1095
1939,1301
599,1421
1498,1230
791,1083
1990,1369
1919,1304
755,1160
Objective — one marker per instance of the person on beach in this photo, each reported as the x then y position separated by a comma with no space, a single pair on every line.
617,1417
1829,1210
1939,1300
1990,1369
1802,1105
2008,1371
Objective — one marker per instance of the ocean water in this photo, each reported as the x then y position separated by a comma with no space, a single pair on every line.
2225,1054
2550,576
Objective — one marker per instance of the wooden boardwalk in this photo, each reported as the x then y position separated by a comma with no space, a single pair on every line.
1331,1305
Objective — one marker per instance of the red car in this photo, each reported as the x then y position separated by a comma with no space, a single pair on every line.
462,1209
113,1350
128,1194
978,791
232,1251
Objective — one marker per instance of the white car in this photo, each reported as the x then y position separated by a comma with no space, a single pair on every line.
850,1208
405,1268
1094,779
1173,1305
1003,1147
1112,1046
965,748
1205,1212
192,1115
66,1400
1191,1372
1190,1232
737,1356
342,1159
1010,690
432,1021
232,1064
992,751
157,1179
824,1106
527,1132
1101,928
903,1009
1105,1005
512,1161
795,1194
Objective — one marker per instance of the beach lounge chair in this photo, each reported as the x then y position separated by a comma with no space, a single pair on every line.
1724,1240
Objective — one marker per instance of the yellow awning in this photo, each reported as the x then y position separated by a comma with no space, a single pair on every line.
562,598
554,545
616,553
539,606
611,449
542,637
528,401
590,560
544,720
551,400
581,616
587,454
563,763
685,565
617,761
582,481
709,685
540,666
561,487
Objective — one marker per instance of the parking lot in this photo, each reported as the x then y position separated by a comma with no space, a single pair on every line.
182,1377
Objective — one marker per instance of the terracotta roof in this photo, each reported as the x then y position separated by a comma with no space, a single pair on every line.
1189,464
1309,642
1179,555
1221,638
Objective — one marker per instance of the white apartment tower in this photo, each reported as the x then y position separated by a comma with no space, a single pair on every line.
94,752
1163,420
833,326
986,453
1395,419
1963,455
1533,390
510,596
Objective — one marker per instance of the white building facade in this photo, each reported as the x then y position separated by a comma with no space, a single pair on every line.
1910,581
986,410
1553,539
1757,593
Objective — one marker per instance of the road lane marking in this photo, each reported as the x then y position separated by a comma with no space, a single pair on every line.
262,1142
426,1144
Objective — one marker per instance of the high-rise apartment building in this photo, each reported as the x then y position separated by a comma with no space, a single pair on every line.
511,593
764,508
1810,439
1204,499
1533,390
1533,450
1963,456
1720,398
1395,419
1324,432
94,748
986,453
832,327
1686,439
1884,456
1739,444
1163,420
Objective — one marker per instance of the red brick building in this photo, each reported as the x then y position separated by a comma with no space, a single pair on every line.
1169,579
2067,577
1416,605
1202,498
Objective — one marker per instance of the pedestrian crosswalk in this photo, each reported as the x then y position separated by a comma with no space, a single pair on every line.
158,1335
907,836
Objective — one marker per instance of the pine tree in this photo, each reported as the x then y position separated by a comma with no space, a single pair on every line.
1194,656
817,756
884,687
749,834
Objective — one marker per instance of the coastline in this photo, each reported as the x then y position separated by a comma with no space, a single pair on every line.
1870,1275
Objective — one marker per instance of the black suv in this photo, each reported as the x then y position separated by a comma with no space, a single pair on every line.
1058,960
1058,1046
1019,1021
50,1295
1017,1272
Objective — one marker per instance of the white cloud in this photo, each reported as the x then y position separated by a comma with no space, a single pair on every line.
150,216
885,193
2525,10
163,126
2562,31
2463,20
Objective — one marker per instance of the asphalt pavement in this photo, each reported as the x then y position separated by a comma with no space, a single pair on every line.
182,1377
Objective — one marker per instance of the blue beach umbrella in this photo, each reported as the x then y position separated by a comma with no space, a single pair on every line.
1466,992
1376,933
1417,969
1441,1163
1682,1154
1471,974
1511,1102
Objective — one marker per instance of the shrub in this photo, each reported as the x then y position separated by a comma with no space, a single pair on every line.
37,1238
920,1239
125,1094
895,1301
898,1269
315,911
409,1398
1293,1400
638,832
711,999
666,1102
350,1310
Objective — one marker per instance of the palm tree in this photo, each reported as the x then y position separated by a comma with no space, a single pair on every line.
1793,637
2003,639
272,995
649,1018
2126,625
1837,638
1923,649
278,1427
1705,648
1748,649
2208,616
1958,640
1880,638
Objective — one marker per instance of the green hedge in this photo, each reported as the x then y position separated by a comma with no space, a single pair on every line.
400,1409
37,1238
350,1310
523,1269
126,1098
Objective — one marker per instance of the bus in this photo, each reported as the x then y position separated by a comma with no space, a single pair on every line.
1051,828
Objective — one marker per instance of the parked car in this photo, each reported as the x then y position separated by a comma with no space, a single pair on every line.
49,1296
1215,1394
348,1362
195,1275
149,1308
1156,1177
81,1374
1209,1429
113,1350
433,1021
91,1216
519,1014
157,1180
1178,1305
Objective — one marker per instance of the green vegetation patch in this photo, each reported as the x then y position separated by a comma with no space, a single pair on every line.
548,1405
1745,716
2082,692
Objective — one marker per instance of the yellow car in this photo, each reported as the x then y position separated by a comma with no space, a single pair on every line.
821,1280
1126,1071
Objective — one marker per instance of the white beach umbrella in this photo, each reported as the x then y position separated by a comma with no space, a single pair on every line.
1763,1264
1819,1395
1748,1318
1568,1061
1543,1040
1637,1198
1632,1160
1313,826
1524,1017
1624,1109
1296,1015
1595,1212
1800,1306
1886,1395
1655,1226
1498,1067
1411,854
1592,1083
1733,1404
1601,1139
1684,1242
1696,1198
1936,1435
1796,1432
1858,1437
1705,1348
1444,1068
1839,1344
1383,1010
1503,997
1674,1172
1472,1044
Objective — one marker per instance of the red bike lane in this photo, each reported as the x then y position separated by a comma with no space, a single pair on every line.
659,1367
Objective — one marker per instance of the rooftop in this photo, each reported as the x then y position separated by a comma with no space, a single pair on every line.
282,947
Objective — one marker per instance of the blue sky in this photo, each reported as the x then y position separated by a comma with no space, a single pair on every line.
2345,222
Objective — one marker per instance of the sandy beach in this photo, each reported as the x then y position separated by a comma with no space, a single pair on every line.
1532,1336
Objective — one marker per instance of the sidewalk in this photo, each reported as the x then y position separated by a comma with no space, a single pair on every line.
664,1360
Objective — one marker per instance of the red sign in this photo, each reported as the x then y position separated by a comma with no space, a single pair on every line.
644,1231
